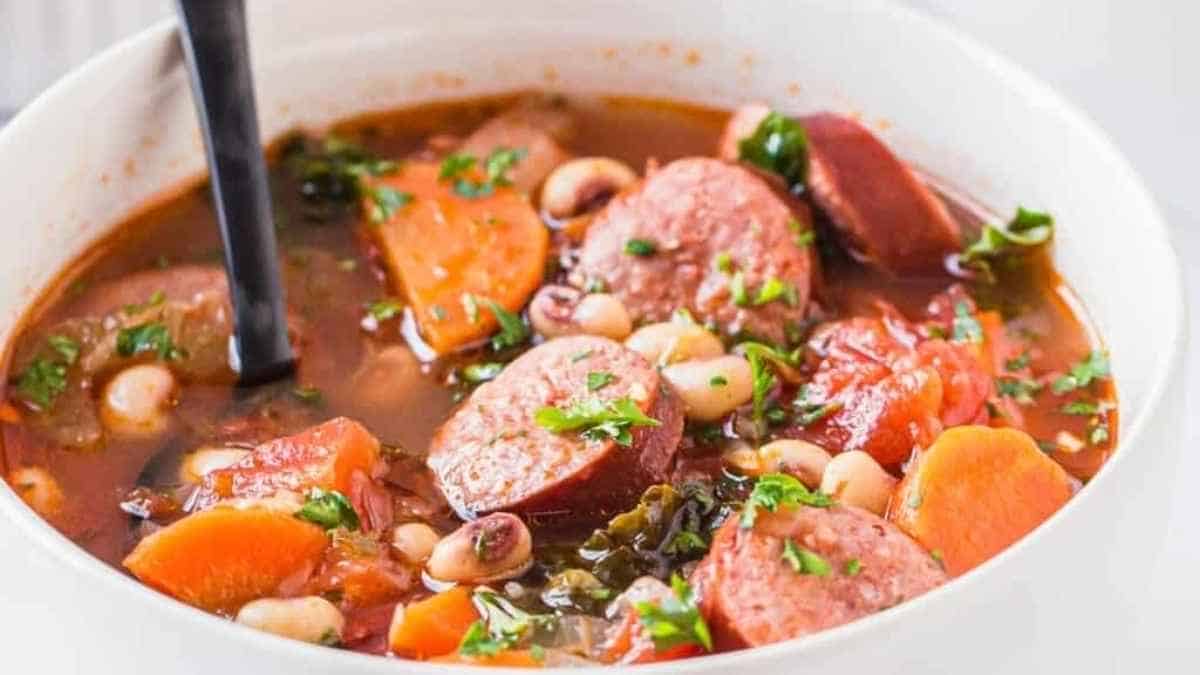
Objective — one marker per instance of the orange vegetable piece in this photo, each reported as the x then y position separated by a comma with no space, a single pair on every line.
975,491
224,557
325,456
509,658
442,246
434,626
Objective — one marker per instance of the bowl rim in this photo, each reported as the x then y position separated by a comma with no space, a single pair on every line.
1015,76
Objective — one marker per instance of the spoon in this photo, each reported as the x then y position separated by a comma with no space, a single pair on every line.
214,41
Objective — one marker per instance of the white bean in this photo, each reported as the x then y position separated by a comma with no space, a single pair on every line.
310,619
497,546
580,185
556,311
38,489
199,463
804,460
136,400
414,541
673,342
602,314
712,388
854,478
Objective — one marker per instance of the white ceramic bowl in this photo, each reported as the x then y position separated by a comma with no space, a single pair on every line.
121,130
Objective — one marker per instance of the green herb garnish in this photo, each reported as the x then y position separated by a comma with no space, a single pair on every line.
385,309
775,490
65,346
42,381
853,567
495,168
1020,390
385,202
737,290
471,307
478,373
675,620
512,329
804,561
309,395
640,247
779,144
330,510
724,262
965,327
148,337
1094,367
774,289
598,380
596,419
1027,230
717,381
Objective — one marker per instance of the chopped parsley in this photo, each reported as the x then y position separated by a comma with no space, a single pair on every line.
148,337
724,262
804,561
675,620
67,348
1027,230
774,490
579,356
641,247
330,510
808,413
478,373
774,289
512,329
762,381
308,395
502,627
965,327
596,419
457,166
437,312
737,290
385,201
1094,367
1019,363
1081,408
801,235
853,567
385,309
1019,389
780,145
42,381
1098,433
599,380
156,298
331,178
717,381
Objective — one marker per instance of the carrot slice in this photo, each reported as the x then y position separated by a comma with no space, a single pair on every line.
434,626
222,558
325,456
975,491
443,247
509,658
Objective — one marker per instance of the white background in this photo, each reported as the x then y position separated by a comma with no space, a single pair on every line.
1133,65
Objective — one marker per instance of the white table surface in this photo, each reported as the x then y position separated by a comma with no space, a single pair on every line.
1133,65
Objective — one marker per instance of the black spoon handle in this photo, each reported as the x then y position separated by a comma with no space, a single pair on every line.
215,45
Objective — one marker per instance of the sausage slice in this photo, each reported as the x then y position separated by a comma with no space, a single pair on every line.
752,596
886,216
491,455
707,222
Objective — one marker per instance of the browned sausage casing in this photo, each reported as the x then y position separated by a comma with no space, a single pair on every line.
492,456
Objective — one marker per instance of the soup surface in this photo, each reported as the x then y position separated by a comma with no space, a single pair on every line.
580,380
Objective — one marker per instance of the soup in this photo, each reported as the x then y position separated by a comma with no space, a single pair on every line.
580,380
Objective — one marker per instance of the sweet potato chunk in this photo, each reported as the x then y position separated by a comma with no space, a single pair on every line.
225,557
975,491
325,456
442,247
